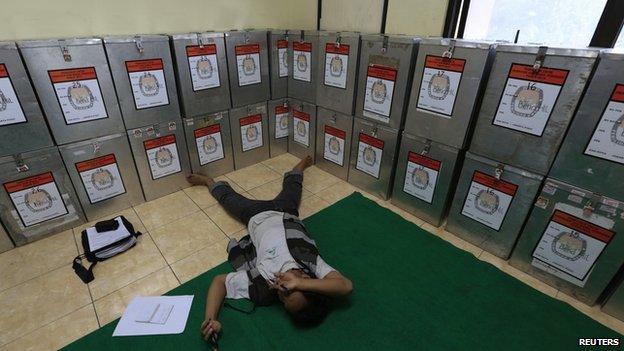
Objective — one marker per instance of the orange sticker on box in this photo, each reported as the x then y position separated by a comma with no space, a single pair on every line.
96,163
73,74
144,65
158,142
30,182
196,50
543,75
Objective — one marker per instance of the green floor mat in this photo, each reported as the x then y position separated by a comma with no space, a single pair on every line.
413,291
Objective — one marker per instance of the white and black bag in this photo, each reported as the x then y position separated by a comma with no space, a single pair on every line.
105,240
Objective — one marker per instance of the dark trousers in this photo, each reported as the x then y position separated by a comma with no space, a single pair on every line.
243,208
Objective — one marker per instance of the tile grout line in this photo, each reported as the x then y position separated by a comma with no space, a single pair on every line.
46,324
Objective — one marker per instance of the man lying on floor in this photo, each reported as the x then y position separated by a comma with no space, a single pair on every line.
277,261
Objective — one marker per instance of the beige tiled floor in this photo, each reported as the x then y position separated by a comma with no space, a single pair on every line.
184,235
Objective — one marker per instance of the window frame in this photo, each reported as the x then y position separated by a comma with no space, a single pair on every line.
606,33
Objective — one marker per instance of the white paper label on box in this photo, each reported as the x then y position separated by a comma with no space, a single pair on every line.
301,127
571,245
204,66
36,199
251,132
421,176
78,93
209,144
147,80
334,145
162,155
101,178
379,92
529,98
302,61
10,108
282,58
336,65
281,122
607,142
370,151
248,63
488,200
440,84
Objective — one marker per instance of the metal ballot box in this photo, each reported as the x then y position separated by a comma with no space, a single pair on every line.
201,71
103,173
425,178
248,64
333,142
37,198
614,306
529,101
22,127
338,54
302,129
448,78
572,240
373,157
209,142
278,53
5,242
74,84
161,158
385,78
279,111
592,154
302,48
491,203
249,126
143,74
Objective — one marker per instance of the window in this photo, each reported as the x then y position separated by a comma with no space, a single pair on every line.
569,23
620,41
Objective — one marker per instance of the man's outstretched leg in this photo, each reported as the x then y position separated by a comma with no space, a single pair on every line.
289,198
234,203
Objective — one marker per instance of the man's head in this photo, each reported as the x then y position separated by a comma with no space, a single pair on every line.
305,308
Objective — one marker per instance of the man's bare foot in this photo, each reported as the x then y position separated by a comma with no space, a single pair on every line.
198,179
303,164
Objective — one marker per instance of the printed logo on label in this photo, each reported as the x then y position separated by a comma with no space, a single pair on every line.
379,92
571,245
162,156
607,141
203,66
209,144
370,151
147,81
251,132
488,200
248,64
529,97
336,65
301,126
302,59
11,111
440,84
36,199
78,93
421,176
101,178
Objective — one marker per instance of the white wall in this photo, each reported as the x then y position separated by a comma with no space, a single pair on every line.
420,17
352,15
28,19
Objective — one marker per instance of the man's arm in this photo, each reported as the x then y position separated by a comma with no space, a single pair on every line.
216,294
333,284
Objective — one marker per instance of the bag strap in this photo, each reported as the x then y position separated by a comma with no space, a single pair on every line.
86,275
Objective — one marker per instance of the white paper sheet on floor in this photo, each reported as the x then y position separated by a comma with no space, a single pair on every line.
155,315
